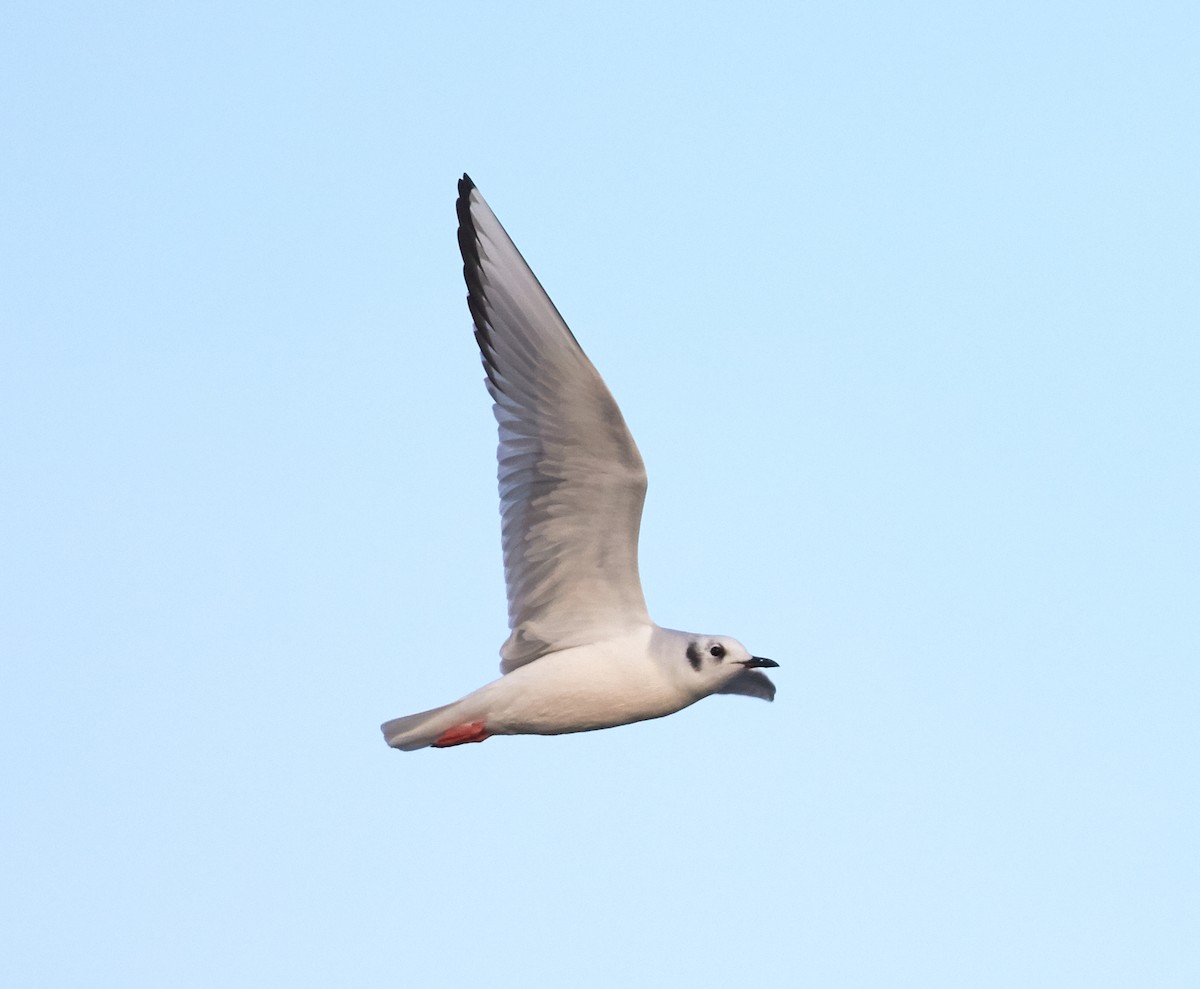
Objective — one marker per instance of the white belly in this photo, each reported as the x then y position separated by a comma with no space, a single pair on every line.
579,690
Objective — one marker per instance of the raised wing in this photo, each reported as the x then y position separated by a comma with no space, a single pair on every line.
572,481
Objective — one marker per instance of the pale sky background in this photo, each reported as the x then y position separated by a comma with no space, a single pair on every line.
901,302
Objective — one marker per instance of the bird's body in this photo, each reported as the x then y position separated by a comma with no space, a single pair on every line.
583,653
633,677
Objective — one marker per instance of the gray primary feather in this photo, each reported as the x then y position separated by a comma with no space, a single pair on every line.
572,482
750,683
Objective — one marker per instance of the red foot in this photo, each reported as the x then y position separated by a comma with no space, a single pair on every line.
472,731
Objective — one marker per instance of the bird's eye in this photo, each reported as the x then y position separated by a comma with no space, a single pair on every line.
717,651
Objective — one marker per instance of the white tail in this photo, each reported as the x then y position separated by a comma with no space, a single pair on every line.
415,731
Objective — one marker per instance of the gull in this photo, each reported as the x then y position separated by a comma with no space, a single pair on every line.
583,653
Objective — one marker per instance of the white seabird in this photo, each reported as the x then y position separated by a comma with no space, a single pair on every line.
583,653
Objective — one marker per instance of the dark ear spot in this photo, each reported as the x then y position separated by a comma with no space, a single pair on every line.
693,655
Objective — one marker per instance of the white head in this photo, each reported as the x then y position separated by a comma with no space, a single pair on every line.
717,664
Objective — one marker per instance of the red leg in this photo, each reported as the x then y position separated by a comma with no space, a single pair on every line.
472,731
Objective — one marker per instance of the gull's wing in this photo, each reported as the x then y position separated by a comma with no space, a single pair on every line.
571,478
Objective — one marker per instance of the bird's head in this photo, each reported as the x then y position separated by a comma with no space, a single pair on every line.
718,664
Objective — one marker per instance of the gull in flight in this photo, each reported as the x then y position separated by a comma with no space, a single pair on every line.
583,653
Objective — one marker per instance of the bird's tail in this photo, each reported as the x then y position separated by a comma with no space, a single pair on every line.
415,731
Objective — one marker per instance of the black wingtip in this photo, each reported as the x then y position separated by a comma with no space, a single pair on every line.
466,228
468,245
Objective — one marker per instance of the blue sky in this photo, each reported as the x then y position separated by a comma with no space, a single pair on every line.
900,302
